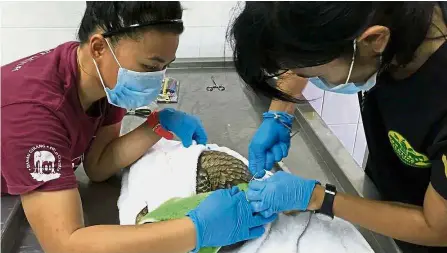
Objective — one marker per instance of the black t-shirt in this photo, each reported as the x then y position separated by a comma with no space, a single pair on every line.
405,125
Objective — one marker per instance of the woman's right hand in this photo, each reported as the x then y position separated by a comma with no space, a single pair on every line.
224,218
280,192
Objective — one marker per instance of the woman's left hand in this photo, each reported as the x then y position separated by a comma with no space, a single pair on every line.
280,192
270,143
187,127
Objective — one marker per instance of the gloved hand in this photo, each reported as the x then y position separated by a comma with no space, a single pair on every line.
270,143
225,217
186,127
280,192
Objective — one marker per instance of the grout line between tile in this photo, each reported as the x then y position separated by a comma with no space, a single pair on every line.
355,138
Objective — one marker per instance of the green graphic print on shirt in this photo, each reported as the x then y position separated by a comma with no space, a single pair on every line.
406,152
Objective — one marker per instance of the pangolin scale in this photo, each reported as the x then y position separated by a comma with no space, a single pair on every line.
218,170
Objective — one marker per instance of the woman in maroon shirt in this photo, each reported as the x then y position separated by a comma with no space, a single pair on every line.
64,106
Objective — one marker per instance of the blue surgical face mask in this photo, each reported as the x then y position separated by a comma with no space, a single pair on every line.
133,89
347,87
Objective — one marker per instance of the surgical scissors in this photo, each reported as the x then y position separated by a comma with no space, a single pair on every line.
211,88
142,113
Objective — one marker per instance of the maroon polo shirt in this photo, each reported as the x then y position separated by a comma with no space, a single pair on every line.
44,130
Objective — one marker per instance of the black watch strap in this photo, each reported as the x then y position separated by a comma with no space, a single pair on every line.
328,201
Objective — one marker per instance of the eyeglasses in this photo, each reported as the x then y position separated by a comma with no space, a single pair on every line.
131,27
272,75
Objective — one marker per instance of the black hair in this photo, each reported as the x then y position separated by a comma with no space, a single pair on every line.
115,17
270,37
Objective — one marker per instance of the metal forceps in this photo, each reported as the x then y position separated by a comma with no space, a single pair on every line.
211,88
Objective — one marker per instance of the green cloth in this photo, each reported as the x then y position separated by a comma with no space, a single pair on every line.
177,208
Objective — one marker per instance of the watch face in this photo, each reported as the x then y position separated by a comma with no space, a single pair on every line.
331,188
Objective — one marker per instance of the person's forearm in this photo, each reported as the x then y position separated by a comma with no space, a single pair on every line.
176,236
282,106
397,220
292,85
123,151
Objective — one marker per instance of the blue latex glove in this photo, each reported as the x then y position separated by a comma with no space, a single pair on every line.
280,192
270,143
186,127
225,217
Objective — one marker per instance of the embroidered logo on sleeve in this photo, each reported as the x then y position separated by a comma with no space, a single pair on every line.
44,163
444,161
406,152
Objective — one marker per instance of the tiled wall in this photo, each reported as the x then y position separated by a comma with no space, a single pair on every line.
342,115
206,26
30,27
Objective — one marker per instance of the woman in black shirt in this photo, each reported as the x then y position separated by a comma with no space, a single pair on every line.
394,55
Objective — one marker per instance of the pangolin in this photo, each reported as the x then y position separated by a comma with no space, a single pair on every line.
216,170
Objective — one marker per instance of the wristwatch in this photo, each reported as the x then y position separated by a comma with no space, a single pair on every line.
154,124
326,211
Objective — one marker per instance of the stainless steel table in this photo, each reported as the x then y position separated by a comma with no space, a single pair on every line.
231,117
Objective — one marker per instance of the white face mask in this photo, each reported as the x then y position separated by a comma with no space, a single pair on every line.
347,87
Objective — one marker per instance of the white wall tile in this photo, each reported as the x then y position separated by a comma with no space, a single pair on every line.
189,43
29,27
231,11
212,18
340,108
311,92
360,145
43,14
346,134
2,4
191,14
205,14
22,42
228,49
212,41
1,36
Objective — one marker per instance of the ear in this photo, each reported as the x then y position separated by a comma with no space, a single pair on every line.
375,39
97,46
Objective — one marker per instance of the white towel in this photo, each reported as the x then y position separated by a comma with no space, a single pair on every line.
169,170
